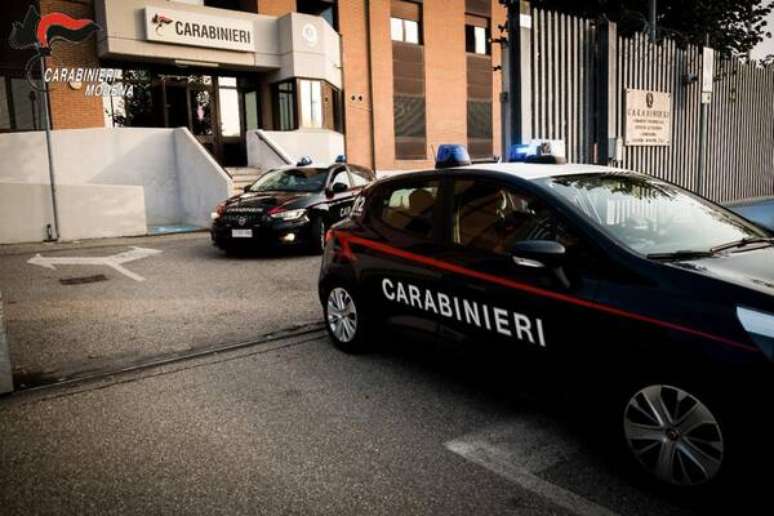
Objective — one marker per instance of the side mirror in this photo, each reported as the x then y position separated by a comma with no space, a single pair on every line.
339,188
542,254
538,254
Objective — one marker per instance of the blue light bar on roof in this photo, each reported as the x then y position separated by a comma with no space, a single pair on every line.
306,160
451,155
538,151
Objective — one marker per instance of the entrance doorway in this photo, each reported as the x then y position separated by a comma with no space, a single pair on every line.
189,102
217,110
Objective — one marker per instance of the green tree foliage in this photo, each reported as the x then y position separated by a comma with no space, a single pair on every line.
732,26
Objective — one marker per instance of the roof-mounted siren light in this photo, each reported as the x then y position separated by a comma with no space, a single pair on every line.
304,161
341,158
451,155
539,151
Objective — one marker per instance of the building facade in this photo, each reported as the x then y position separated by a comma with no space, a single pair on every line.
389,79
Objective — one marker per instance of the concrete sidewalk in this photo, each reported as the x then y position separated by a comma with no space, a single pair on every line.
83,314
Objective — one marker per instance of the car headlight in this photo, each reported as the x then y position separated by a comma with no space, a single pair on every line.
289,215
760,326
220,209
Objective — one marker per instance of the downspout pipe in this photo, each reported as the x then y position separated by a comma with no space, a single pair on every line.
371,86
54,234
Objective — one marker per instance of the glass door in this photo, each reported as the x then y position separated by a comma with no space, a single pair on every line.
204,113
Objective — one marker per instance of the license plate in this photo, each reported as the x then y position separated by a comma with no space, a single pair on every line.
241,233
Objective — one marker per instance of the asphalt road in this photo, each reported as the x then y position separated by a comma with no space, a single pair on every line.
192,295
294,426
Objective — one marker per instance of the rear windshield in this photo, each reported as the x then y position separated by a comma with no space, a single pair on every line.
291,180
648,215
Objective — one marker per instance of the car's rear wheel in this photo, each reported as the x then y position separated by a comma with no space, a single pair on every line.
345,320
675,436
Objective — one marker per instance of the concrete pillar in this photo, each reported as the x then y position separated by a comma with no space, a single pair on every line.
518,73
6,379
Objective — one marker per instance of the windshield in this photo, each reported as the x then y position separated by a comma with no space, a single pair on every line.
291,180
650,216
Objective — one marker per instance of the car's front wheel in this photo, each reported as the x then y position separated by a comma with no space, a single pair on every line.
675,435
345,320
317,242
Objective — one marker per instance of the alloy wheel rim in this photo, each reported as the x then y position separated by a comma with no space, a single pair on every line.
674,435
342,315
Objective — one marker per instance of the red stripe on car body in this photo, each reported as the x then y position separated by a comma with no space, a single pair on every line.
347,239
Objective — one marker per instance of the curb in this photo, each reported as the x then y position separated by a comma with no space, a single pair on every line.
6,376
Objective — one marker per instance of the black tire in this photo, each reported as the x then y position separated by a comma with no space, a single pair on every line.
345,319
317,239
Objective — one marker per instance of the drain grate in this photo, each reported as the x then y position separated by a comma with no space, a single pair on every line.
83,279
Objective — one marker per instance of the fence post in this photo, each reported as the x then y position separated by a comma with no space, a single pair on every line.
517,124
707,79
6,379
608,95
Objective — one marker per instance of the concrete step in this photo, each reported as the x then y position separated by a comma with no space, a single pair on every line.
243,171
243,176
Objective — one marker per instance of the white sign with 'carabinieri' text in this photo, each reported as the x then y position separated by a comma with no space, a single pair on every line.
648,118
199,30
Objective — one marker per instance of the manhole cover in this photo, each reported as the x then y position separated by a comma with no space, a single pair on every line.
83,279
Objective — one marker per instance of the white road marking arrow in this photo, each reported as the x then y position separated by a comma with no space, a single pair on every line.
115,261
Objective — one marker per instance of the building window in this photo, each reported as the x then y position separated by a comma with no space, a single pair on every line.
21,107
307,103
325,9
285,106
234,5
408,78
405,22
311,104
477,35
404,30
228,102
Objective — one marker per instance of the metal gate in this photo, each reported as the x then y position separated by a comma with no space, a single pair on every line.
579,71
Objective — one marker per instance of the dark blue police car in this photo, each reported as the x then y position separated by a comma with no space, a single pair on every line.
289,206
646,300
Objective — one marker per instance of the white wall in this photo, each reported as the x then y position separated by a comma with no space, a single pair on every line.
25,210
264,153
126,179
128,156
203,183
322,145
100,211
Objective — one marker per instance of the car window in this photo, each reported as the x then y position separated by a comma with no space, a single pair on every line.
492,217
648,215
291,180
409,209
341,176
360,176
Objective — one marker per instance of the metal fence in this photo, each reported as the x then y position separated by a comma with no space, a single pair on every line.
563,82
580,71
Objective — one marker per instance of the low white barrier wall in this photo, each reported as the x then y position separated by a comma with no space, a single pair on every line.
203,183
271,149
109,182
